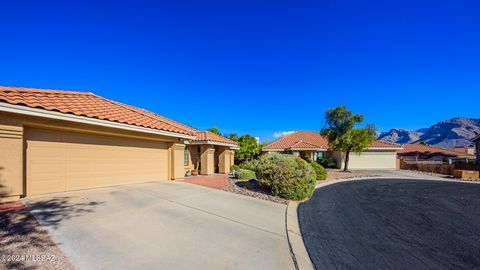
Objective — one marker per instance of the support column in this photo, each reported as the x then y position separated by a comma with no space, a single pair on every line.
177,169
224,161
232,157
207,159
11,162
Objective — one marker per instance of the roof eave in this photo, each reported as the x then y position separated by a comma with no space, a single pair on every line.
384,148
233,146
293,149
20,109
307,149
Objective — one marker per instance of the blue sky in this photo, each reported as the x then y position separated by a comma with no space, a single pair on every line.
255,67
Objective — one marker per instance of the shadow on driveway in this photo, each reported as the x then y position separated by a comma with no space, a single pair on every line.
21,234
393,224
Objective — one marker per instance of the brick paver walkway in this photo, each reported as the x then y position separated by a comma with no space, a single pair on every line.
218,181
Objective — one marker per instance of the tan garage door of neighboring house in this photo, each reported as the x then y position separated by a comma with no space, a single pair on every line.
373,160
59,161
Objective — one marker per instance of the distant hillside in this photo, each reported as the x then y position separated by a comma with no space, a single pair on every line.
455,132
398,135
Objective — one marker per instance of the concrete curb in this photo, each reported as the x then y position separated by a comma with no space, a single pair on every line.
300,256
431,178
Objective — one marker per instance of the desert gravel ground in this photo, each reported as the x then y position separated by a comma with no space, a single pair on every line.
24,244
393,224
239,187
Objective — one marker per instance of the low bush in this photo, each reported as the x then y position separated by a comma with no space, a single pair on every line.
249,165
319,170
245,174
234,168
327,162
286,176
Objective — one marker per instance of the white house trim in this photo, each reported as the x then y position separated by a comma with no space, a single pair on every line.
233,146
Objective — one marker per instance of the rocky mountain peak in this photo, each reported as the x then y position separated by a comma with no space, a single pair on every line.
450,133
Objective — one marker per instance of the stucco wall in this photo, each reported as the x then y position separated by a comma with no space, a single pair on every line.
222,155
224,160
12,143
207,159
11,161
177,160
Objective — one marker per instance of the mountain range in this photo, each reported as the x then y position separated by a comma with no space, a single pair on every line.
451,133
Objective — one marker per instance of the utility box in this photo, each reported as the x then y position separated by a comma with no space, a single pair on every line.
466,174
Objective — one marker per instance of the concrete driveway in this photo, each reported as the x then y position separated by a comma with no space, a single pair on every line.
393,224
165,225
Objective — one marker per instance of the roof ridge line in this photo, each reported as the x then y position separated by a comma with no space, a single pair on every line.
42,90
436,147
160,116
137,110
214,134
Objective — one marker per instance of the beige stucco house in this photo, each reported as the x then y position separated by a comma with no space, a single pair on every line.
419,152
54,141
312,145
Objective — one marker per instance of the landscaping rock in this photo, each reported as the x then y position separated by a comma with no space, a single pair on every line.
251,188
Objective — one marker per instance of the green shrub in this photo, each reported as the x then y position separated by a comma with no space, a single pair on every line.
319,170
234,168
246,174
327,162
286,176
249,165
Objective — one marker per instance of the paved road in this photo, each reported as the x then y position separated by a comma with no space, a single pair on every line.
167,225
393,224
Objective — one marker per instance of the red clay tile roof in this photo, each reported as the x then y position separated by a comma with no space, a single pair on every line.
212,137
90,105
303,145
415,149
307,137
380,144
313,140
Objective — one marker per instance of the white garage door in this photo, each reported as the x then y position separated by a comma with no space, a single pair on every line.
59,161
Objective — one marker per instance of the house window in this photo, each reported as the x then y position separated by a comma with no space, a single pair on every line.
320,154
186,157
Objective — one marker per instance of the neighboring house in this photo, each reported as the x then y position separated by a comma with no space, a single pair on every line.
468,149
54,141
420,152
312,145
477,141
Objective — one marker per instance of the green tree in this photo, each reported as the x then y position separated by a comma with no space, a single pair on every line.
215,131
423,143
248,148
233,136
342,135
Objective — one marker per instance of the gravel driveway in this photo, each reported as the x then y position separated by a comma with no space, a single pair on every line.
393,224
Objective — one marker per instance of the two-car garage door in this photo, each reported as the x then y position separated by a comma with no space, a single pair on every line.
373,160
59,161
